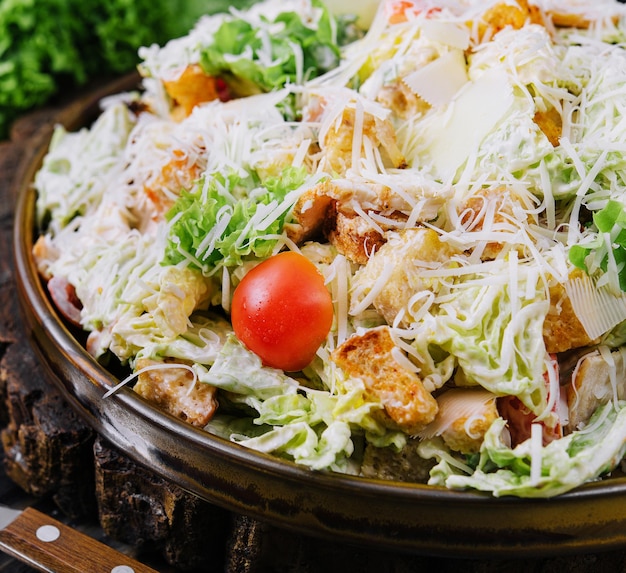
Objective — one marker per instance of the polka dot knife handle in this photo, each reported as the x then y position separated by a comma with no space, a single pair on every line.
48,545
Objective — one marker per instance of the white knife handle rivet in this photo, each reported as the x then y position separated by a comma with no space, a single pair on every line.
48,533
122,569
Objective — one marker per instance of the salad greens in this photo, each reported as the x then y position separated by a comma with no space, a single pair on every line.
497,340
219,220
282,50
265,57
607,251
451,185
581,456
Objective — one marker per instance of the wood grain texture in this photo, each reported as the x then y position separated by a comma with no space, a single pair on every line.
70,552
136,504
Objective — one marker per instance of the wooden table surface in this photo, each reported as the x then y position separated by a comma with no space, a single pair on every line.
30,412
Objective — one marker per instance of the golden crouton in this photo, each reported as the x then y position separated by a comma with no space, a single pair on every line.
399,259
170,389
592,386
339,140
401,100
491,208
503,15
551,123
191,88
465,414
406,404
561,328
163,188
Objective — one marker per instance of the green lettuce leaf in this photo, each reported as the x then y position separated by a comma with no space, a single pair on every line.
593,255
567,463
261,59
218,221
497,347
275,414
78,167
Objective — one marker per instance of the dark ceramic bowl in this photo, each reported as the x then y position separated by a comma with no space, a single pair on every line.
390,515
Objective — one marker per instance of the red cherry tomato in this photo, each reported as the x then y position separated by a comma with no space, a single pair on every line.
282,311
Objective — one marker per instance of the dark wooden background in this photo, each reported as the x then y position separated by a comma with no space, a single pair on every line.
52,460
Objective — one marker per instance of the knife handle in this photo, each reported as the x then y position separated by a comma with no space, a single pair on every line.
48,545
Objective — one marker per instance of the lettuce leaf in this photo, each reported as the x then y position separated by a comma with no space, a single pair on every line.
275,414
214,223
278,52
78,167
496,336
609,221
567,463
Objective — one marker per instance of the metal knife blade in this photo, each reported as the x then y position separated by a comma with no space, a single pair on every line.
51,546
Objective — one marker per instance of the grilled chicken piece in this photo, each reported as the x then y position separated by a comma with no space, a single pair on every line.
401,100
172,389
562,330
595,381
493,209
406,404
465,414
330,209
339,141
164,186
310,213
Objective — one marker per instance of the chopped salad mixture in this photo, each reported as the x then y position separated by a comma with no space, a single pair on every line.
387,244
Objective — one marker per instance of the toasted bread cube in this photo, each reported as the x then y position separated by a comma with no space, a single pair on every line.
403,251
406,404
170,389
561,328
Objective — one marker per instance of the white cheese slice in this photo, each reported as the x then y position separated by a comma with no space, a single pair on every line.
476,111
448,33
597,308
440,80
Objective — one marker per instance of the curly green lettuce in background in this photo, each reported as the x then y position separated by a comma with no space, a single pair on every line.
47,46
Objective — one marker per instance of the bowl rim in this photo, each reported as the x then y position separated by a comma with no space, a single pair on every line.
239,474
